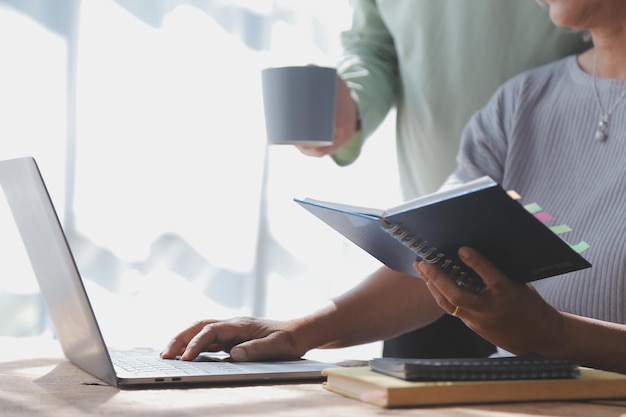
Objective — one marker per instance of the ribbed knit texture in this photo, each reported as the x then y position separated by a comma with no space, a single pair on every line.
536,136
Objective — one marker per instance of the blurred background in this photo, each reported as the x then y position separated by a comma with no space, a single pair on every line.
146,119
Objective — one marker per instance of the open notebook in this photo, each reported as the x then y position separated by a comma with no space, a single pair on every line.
74,319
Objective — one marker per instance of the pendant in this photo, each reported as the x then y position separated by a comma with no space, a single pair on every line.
601,134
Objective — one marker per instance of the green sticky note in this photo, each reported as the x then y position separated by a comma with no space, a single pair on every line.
561,228
580,246
533,208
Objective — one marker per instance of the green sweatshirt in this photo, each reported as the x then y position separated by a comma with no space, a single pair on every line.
437,62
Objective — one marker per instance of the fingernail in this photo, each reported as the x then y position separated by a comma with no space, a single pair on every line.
416,267
464,253
238,354
424,268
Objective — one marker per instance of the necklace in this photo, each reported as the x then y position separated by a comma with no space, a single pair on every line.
603,124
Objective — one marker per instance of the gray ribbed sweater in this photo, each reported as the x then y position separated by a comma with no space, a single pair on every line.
536,136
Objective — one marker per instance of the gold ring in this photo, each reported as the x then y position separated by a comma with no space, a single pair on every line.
456,311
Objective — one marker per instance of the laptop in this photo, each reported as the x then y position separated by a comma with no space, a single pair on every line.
73,317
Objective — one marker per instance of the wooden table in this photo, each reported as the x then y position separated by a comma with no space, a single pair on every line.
35,380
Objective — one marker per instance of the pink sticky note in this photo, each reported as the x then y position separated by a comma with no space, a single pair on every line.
543,216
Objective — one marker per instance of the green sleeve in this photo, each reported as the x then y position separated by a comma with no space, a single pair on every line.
369,66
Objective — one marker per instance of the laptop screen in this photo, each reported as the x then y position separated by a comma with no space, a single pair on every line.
54,267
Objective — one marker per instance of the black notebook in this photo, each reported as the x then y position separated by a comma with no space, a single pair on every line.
479,214
476,369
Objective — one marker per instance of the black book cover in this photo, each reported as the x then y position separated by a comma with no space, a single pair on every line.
529,366
479,214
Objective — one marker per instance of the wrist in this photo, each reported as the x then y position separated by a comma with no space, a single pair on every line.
553,343
314,331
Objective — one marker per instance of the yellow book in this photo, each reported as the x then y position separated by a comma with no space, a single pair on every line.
363,384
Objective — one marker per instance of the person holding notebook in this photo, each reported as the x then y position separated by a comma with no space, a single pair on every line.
556,135
436,63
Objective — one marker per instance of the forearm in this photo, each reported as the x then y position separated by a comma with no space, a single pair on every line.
369,67
369,64
593,343
388,303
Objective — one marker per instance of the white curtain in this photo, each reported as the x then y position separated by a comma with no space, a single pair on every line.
146,118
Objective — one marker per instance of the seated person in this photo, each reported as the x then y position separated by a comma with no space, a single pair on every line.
557,135
393,56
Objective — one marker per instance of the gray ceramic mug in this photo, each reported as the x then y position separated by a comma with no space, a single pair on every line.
299,104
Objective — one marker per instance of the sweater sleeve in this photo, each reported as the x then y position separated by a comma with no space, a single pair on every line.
484,140
369,67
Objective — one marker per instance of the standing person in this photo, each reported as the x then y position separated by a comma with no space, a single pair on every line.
436,62
557,135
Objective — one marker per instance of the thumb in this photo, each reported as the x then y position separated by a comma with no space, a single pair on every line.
267,348
490,273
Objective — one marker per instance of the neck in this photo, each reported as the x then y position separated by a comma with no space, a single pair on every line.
610,55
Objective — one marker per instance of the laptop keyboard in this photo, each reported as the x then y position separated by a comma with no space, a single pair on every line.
149,363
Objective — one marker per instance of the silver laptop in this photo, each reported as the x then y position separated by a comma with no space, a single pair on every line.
72,315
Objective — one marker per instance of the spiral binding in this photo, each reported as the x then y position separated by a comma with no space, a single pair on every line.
430,254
